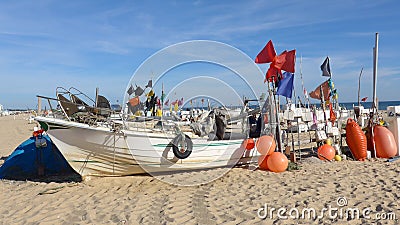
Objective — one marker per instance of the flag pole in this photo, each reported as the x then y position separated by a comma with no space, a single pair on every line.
375,102
277,126
359,86
323,106
162,98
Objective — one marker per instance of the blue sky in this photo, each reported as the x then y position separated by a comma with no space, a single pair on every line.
89,44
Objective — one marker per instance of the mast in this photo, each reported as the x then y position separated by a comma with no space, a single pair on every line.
375,74
302,83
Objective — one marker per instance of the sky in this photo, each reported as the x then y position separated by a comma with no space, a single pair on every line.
89,44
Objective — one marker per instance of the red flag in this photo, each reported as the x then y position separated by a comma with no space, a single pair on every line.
275,67
364,99
267,54
332,115
288,66
166,103
317,92
279,61
271,74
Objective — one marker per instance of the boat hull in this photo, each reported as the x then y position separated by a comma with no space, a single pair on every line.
154,153
103,152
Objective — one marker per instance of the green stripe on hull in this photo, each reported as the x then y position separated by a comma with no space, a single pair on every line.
203,145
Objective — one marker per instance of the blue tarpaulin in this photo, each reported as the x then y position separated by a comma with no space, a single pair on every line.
33,159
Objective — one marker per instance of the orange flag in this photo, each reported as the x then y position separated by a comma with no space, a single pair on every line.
317,92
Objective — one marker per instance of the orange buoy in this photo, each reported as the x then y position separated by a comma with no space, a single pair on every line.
266,145
326,152
249,144
277,162
385,144
356,140
262,162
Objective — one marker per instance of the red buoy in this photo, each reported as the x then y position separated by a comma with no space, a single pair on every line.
385,144
356,140
326,152
249,144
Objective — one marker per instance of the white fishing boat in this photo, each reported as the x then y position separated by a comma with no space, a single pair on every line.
94,144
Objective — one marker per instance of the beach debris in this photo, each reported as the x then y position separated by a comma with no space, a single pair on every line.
293,166
277,162
392,159
326,152
54,190
51,190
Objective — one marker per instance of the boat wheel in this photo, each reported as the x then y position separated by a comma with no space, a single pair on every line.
182,147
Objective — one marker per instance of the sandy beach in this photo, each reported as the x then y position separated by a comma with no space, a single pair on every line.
241,196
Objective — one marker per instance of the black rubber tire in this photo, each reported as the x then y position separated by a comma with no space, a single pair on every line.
176,149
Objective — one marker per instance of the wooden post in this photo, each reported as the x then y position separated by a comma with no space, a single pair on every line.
39,109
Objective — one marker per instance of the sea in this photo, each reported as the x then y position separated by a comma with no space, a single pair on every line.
382,105
348,105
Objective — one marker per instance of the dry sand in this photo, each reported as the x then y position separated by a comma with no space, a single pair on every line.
234,198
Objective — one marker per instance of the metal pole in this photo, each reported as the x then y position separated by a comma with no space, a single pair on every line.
359,86
375,102
278,129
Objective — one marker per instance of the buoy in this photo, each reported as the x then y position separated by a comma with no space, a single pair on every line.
249,144
262,162
277,162
326,152
356,140
338,158
328,141
266,145
385,144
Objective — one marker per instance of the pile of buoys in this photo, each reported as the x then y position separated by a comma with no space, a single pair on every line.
385,143
356,140
269,159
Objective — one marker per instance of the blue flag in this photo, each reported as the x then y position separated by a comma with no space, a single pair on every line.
285,87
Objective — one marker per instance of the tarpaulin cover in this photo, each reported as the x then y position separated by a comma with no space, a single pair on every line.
28,161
